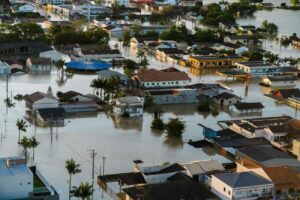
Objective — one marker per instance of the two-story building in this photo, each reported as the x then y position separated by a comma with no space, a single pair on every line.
130,106
201,62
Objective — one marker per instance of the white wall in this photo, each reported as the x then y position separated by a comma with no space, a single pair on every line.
165,84
45,103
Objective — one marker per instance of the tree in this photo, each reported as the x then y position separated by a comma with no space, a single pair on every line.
140,54
136,29
9,103
157,122
25,143
126,38
175,127
22,126
253,55
270,28
144,62
33,143
84,191
72,168
60,66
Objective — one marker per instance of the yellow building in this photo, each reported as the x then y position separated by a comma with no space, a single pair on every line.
296,148
200,62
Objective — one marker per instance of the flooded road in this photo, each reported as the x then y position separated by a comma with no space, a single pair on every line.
122,141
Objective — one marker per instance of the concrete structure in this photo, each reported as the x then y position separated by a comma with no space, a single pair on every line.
240,39
130,106
258,68
296,148
239,186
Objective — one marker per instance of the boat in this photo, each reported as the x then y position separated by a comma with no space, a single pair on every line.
279,81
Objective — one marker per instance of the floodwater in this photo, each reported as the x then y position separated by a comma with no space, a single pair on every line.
287,22
122,141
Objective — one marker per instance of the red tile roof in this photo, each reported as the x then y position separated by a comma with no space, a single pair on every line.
153,75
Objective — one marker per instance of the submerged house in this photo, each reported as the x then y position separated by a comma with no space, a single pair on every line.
130,106
226,99
39,65
50,116
247,108
4,69
39,100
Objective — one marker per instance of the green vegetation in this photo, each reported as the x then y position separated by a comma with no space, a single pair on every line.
9,103
175,127
157,122
83,191
179,33
204,107
26,15
107,89
21,31
253,55
270,28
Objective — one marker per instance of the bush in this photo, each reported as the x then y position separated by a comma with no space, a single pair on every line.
204,107
215,112
158,124
175,127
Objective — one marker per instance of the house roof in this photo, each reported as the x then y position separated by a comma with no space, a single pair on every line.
171,50
36,46
162,169
153,75
203,166
255,63
246,106
143,39
283,175
174,190
242,179
286,93
130,100
70,94
104,51
239,37
267,156
279,129
225,95
130,178
38,96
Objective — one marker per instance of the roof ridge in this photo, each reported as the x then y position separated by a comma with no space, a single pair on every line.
238,174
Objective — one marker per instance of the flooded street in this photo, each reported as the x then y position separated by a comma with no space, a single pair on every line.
124,140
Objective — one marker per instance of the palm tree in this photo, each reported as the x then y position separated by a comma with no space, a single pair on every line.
60,66
97,84
25,143
85,190
73,168
144,62
75,192
22,126
33,144
140,54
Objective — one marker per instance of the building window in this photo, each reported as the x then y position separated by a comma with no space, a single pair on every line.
224,189
229,193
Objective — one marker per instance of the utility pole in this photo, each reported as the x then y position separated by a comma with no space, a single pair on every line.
93,155
103,164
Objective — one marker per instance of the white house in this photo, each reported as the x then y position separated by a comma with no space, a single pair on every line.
40,100
113,31
25,8
153,78
246,108
240,186
4,69
277,135
130,106
241,39
37,65
258,68
16,180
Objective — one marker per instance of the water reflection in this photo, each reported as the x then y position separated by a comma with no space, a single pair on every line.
134,123
174,142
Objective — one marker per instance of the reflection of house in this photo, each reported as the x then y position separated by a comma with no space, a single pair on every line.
18,181
153,78
243,185
50,116
226,99
130,106
37,65
209,89
138,42
39,100
279,82
174,96
198,169
284,178
255,107
214,61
